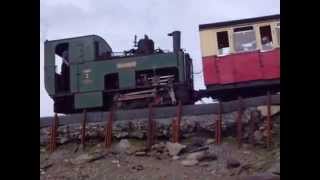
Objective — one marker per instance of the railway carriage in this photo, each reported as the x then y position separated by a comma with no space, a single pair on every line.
241,57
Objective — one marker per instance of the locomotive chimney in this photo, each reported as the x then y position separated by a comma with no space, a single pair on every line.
176,40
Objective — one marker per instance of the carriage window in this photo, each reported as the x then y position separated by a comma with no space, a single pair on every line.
278,32
266,37
244,39
223,43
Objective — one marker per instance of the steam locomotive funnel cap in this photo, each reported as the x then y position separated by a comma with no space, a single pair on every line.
176,37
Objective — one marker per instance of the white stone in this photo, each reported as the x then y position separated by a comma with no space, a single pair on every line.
174,148
189,162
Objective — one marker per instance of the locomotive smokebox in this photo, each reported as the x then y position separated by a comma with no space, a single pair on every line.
176,36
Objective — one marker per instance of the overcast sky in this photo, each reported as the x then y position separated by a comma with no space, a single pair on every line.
118,21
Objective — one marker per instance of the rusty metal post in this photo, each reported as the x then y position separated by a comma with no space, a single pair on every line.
108,128
219,125
154,137
68,132
239,123
252,127
176,124
178,121
83,128
150,134
53,134
269,121
174,130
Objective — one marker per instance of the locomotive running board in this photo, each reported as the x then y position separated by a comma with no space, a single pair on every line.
137,95
162,112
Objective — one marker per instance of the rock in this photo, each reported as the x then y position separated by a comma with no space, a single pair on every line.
175,157
196,155
258,136
210,141
137,167
115,161
204,164
201,156
158,146
275,168
189,162
264,110
120,135
136,134
262,176
208,156
123,146
197,142
82,159
63,140
141,153
43,150
174,148
232,163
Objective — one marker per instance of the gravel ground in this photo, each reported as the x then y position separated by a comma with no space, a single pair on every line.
65,163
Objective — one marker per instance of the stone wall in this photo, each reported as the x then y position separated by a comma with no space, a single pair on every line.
137,128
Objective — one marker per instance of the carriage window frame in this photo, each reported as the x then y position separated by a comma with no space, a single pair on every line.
237,31
266,29
226,49
277,29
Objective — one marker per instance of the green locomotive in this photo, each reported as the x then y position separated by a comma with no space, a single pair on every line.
94,78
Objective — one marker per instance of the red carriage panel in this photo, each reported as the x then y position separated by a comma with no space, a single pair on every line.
225,69
247,66
209,70
270,64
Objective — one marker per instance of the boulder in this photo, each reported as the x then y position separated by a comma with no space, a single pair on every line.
136,134
258,136
264,110
196,155
81,159
174,148
262,176
201,156
122,134
208,156
175,157
141,153
232,163
275,168
123,146
189,162
210,141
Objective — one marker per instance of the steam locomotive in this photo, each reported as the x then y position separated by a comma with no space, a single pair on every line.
93,77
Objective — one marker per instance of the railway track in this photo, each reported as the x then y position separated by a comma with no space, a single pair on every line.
162,112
